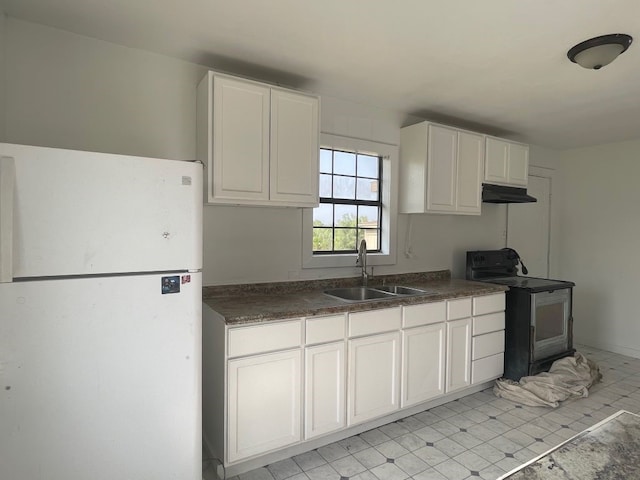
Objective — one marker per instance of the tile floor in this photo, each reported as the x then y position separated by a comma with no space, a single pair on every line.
476,437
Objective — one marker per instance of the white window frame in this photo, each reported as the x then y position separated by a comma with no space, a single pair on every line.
387,254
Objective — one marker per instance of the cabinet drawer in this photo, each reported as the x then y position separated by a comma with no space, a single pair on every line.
486,345
488,304
424,314
264,338
487,368
488,323
325,329
374,321
460,308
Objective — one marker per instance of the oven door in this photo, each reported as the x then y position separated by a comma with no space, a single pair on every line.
550,317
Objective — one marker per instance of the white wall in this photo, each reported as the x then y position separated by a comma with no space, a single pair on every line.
70,91
600,232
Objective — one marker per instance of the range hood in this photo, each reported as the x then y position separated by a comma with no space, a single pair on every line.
501,194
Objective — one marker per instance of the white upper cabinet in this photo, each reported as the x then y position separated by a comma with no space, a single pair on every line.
259,143
470,171
240,166
441,170
506,163
294,138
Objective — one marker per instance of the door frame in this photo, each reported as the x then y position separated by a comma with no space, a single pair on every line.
550,174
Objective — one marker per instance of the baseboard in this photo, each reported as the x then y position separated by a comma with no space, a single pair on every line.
609,347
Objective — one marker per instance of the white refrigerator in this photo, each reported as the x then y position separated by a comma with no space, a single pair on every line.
100,316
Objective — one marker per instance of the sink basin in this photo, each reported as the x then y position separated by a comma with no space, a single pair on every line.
357,294
363,294
401,290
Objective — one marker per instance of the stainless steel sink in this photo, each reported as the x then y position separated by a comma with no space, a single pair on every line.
358,294
363,294
401,290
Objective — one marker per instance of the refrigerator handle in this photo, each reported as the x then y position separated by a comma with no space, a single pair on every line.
7,195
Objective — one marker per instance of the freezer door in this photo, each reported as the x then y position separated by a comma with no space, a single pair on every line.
100,379
79,213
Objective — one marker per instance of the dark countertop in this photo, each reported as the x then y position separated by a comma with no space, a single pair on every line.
253,303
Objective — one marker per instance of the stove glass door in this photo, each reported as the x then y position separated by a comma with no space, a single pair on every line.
550,313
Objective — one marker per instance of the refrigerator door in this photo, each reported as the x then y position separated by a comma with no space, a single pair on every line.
100,379
83,213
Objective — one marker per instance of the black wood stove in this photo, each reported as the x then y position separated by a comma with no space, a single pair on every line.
538,315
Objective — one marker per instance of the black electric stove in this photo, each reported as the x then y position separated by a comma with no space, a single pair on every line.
538,313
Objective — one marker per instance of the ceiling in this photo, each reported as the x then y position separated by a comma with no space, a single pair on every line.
497,66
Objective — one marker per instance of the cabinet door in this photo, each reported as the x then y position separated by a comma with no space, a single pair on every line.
458,354
374,365
294,148
470,172
442,169
264,403
240,140
325,386
496,161
518,164
423,360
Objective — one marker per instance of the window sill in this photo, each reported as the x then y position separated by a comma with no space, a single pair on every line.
347,260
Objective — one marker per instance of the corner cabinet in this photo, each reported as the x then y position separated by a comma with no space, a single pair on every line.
506,163
259,143
441,170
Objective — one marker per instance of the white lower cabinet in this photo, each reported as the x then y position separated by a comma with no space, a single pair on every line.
487,368
423,363
458,354
264,403
488,338
325,383
374,376
278,384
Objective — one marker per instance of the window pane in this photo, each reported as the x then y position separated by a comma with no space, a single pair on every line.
368,217
345,239
345,163
345,215
325,161
354,181
323,215
344,187
368,166
322,239
367,189
325,185
371,236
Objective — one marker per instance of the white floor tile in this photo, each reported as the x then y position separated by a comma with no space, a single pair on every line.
476,437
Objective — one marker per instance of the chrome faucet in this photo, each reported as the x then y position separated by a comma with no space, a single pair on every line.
362,261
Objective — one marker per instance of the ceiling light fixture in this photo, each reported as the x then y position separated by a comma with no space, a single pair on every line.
597,52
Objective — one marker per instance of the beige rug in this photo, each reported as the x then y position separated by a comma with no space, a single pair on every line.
610,450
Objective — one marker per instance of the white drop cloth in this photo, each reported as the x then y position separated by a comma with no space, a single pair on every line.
569,377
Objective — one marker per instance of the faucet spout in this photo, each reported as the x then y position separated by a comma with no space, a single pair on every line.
362,261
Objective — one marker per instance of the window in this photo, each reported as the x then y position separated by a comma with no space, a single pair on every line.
350,202
358,199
